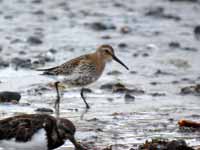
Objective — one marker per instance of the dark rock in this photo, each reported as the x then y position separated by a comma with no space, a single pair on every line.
160,72
9,17
158,12
36,1
115,72
53,51
161,144
23,63
122,45
7,96
125,30
157,94
195,89
178,145
44,110
107,86
87,90
106,37
39,12
154,83
133,72
145,54
129,98
197,32
3,63
1,48
174,45
192,49
136,91
183,0
120,88
99,26
22,52
33,40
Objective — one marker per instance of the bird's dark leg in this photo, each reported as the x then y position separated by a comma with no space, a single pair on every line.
83,97
57,102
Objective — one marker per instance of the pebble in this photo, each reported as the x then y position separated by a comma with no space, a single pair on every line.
174,44
3,64
195,89
129,98
7,96
99,26
197,32
22,63
44,110
125,30
33,40
122,45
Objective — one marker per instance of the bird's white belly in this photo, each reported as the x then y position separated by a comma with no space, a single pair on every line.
38,142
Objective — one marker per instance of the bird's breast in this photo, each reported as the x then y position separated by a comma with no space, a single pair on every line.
37,142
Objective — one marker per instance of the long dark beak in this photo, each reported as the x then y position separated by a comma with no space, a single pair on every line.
119,61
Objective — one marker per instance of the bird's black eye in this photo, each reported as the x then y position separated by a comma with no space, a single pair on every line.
107,51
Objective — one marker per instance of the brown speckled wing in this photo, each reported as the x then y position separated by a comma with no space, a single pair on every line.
67,68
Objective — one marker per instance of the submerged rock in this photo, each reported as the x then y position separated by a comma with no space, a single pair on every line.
129,98
44,110
120,88
33,40
197,32
195,89
159,12
19,62
157,144
12,97
3,63
99,26
183,0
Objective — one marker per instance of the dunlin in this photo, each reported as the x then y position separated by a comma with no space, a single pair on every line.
83,70
36,132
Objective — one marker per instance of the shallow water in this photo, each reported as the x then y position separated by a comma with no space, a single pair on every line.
111,120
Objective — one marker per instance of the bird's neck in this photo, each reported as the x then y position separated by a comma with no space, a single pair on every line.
100,62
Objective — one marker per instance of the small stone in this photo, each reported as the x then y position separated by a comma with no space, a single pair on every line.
106,37
19,62
8,96
197,32
174,45
44,110
158,11
145,54
122,45
1,48
129,98
3,64
37,1
53,51
33,40
183,0
115,72
157,94
99,26
39,12
125,30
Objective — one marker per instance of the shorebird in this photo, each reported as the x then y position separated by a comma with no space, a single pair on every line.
83,70
36,132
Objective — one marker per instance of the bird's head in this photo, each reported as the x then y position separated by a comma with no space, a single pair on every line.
107,54
67,130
